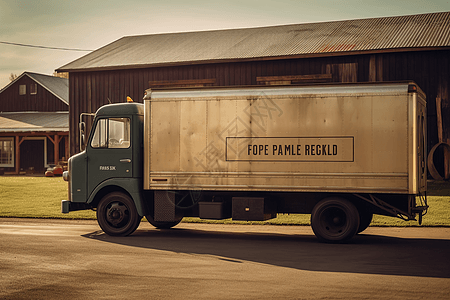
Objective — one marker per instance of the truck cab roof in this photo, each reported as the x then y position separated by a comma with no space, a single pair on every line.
117,109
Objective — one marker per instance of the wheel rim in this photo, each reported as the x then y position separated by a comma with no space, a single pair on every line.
117,214
333,221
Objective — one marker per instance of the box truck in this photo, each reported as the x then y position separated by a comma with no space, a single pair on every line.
340,152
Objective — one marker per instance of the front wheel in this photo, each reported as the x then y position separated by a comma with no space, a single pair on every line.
117,214
335,220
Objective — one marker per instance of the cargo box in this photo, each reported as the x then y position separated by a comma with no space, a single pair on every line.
352,138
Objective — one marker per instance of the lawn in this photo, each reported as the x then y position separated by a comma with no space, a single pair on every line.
40,197
36,197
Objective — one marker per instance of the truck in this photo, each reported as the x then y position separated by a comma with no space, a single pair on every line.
339,152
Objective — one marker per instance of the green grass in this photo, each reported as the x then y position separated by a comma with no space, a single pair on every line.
36,197
40,197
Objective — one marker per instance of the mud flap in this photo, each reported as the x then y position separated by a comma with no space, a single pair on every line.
164,206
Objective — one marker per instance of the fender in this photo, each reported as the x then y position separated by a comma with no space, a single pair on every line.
132,185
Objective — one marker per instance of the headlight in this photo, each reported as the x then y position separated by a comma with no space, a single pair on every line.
66,175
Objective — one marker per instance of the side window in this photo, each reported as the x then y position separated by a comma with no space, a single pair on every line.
112,133
100,135
119,133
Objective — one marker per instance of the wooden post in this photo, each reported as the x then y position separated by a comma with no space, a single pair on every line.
19,141
56,148
66,140
17,154
55,142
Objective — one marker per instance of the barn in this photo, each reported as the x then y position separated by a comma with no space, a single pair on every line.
413,47
34,127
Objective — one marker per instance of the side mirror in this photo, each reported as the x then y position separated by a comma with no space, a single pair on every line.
82,128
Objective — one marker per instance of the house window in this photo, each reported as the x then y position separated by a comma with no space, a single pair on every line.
33,89
6,152
22,89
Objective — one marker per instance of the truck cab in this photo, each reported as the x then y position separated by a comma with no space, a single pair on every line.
110,165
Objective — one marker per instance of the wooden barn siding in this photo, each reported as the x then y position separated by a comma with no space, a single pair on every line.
90,90
430,70
43,101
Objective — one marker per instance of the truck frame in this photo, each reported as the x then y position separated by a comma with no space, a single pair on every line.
340,152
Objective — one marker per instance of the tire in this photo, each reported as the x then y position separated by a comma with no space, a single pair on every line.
334,220
162,225
117,214
365,218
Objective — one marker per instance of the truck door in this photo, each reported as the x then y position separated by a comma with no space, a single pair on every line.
109,152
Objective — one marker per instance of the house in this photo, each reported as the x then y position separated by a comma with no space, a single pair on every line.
34,123
413,47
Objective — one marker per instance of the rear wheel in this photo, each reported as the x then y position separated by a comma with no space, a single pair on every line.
335,220
365,218
117,214
163,225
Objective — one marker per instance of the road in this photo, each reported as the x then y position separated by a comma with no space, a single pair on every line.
67,259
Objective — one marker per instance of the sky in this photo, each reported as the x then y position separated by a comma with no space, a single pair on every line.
92,24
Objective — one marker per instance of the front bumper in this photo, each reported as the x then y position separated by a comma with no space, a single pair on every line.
68,206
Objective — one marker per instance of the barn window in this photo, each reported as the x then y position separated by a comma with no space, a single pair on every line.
33,89
22,89
6,152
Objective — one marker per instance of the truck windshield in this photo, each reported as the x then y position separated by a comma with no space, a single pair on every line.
112,133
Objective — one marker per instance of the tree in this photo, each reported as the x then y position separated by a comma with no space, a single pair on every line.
12,77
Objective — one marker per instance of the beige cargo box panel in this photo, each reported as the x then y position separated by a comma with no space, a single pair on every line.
344,138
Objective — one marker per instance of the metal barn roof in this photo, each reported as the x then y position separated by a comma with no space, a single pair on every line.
34,121
403,33
55,85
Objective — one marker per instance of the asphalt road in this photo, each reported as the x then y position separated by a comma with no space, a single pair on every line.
58,259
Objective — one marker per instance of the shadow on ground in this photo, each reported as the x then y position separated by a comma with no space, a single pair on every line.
368,254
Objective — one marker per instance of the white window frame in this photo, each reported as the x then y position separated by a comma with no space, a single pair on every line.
22,89
11,139
33,89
